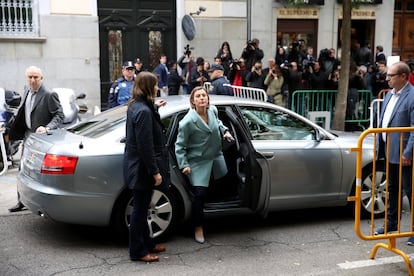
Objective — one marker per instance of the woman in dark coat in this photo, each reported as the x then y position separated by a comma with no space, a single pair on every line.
145,163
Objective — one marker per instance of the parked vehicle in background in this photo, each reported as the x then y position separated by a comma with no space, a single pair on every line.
9,104
70,105
280,160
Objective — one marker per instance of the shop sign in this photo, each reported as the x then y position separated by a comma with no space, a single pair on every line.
359,14
298,13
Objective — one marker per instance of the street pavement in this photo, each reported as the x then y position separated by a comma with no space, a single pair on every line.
306,242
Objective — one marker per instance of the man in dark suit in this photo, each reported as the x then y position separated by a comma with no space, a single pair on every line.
162,73
397,111
40,112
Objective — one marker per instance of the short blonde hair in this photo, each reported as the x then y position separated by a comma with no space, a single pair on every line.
195,89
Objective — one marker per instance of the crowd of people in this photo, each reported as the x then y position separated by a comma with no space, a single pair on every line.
293,68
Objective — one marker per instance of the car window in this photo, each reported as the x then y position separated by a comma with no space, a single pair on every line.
272,124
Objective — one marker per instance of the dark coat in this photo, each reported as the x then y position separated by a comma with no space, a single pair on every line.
162,72
47,111
218,87
145,147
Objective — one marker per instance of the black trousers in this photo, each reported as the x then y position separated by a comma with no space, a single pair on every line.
140,242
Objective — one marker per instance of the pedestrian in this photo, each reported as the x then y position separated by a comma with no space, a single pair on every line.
199,151
40,112
174,79
145,163
281,56
162,73
397,110
379,80
379,54
224,53
120,91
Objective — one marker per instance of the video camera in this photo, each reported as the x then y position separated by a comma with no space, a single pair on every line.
187,50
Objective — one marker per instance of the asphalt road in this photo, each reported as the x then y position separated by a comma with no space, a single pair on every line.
305,242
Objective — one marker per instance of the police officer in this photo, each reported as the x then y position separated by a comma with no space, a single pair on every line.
220,85
120,91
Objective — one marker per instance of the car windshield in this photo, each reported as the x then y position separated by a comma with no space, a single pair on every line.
272,124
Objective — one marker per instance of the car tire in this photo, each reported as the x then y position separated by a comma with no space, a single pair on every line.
378,201
162,214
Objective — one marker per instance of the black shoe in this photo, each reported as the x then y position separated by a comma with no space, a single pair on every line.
17,208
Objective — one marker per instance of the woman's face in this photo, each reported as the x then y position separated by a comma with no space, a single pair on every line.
200,98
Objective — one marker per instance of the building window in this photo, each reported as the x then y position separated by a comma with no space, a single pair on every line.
19,18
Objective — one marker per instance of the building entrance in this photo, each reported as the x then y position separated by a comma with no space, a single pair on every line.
131,29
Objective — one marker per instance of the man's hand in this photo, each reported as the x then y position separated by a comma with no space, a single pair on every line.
157,179
42,129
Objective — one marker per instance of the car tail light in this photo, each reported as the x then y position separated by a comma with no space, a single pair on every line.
59,164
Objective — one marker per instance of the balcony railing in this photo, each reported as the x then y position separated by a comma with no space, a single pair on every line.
19,18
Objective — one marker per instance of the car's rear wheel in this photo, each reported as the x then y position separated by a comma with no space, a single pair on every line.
373,202
162,213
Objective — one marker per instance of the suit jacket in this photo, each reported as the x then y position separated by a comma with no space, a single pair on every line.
47,111
402,116
198,146
146,152
162,72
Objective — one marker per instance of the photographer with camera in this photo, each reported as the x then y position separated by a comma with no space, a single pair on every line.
186,63
198,76
252,53
237,73
274,81
255,78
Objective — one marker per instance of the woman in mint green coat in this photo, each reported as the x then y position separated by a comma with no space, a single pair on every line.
198,151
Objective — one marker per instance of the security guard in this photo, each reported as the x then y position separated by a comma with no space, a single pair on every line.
120,91
220,85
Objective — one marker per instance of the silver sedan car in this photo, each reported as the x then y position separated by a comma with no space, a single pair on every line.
279,161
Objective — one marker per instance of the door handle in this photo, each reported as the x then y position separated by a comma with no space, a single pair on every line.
268,154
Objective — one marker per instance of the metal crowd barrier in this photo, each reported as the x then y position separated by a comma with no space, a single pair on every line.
244,92
379,187
305,102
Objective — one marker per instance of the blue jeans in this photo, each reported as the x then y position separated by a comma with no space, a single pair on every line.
140,242
393,185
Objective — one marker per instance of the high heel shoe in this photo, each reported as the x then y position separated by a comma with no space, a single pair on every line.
199,235
199,239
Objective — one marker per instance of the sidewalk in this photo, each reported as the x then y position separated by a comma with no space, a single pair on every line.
8,192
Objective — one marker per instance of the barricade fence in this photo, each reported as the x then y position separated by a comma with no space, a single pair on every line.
244,92
375,190
305,102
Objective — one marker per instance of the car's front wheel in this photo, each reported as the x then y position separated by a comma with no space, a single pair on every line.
162,213
373,182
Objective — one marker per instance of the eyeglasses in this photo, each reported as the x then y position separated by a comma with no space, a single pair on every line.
392,75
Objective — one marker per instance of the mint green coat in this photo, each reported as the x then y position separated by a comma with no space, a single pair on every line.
198,146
